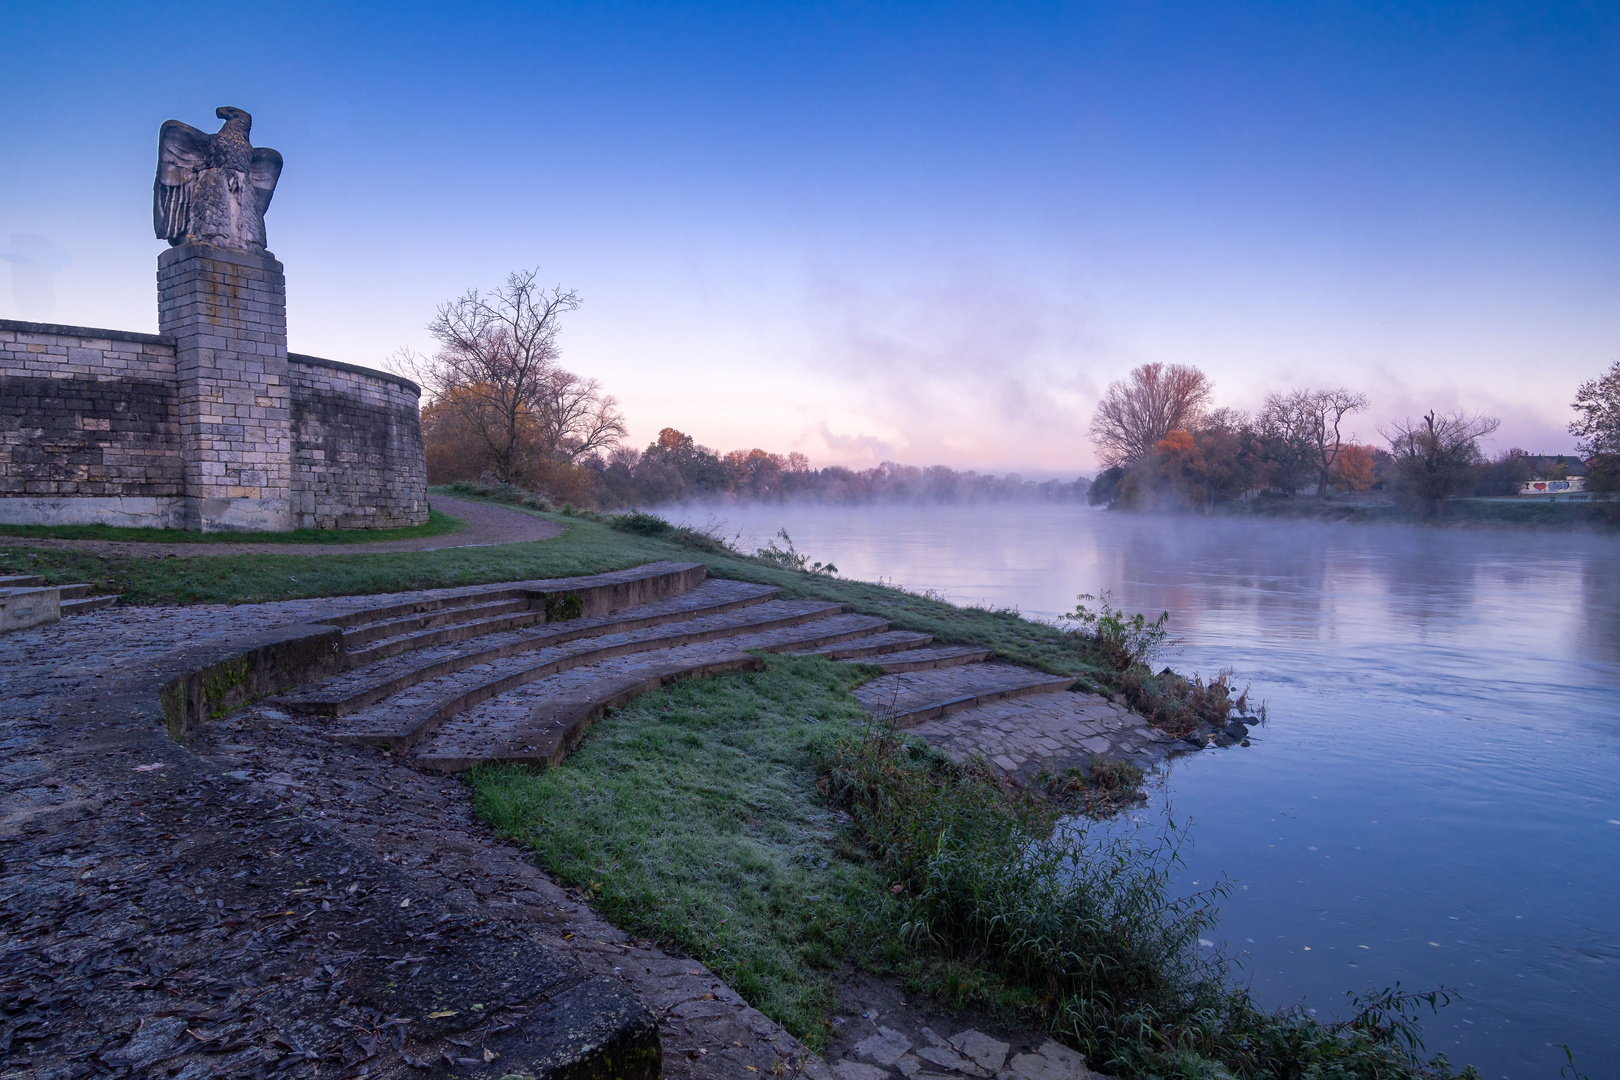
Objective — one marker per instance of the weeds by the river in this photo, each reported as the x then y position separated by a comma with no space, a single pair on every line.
641,523
789,558
1104,787
1124,641
1083,927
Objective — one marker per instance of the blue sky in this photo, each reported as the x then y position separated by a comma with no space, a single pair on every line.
928,233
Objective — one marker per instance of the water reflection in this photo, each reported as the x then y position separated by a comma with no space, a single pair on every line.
1434,801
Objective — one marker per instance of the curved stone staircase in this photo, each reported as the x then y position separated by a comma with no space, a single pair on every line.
519,672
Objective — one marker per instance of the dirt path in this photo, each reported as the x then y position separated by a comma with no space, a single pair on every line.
487,524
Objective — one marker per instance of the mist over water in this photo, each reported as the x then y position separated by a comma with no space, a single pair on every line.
1435,799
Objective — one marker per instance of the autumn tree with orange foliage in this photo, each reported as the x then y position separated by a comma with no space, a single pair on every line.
1199,468
499,403
1356,468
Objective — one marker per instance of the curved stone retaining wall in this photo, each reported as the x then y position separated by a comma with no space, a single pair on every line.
358,460
90,434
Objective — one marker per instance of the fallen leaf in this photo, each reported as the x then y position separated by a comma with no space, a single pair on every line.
442,1013
149,768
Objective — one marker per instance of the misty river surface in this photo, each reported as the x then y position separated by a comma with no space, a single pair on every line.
1436,799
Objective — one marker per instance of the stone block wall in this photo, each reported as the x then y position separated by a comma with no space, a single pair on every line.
358,461
91,433
88,426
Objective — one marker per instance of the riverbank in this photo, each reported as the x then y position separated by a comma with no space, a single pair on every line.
1596,515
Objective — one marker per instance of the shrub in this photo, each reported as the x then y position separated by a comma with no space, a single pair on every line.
789,559
506,493
642,523
1124,641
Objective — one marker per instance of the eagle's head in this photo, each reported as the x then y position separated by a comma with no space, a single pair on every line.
228,113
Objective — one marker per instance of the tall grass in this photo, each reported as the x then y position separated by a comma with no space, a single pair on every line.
1086,925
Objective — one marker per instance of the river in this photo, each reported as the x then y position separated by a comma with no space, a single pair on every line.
1436,798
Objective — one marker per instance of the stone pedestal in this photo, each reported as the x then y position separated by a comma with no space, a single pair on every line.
227,313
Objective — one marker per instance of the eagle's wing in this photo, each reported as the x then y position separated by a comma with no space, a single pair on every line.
264,172
182,150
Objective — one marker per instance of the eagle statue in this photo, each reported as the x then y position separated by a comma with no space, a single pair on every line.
213,189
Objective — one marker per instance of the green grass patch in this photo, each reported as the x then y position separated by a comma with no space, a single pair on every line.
692,817
583,548
438,524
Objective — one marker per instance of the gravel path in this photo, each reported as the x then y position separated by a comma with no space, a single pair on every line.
487,524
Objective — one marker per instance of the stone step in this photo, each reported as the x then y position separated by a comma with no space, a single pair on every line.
541,722
361,635
1048,733
400,720
357,688
21,581
943,656
892,641
87,604
910,698
367,616
23,607
599,593
548,600
442,635
547,734
73,592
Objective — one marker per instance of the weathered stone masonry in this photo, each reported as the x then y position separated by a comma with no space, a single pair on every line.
89,429
91,421
226,312
358,459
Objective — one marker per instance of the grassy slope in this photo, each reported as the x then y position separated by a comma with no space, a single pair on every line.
692,817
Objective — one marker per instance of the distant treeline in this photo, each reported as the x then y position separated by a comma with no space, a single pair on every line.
676,469
500,409
1165,446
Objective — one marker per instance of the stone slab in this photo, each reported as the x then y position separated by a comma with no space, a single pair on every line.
28,606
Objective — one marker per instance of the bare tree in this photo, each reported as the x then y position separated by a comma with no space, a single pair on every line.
1154,401
1285,430
495,377
1326,410
574,417
1433,454
1598,403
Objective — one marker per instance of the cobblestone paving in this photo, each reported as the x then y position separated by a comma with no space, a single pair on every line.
902,695
85,685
